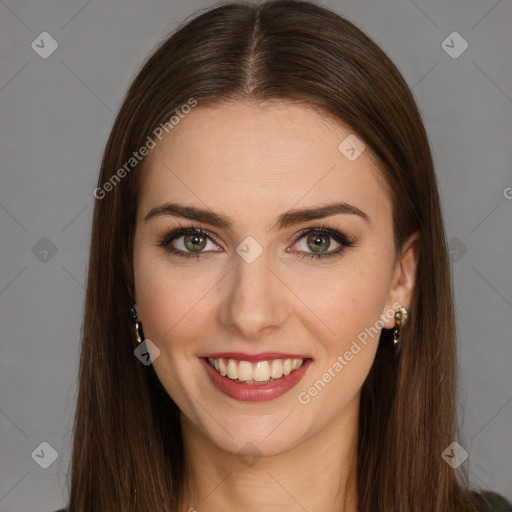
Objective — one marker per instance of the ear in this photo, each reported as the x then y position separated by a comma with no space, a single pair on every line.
404,279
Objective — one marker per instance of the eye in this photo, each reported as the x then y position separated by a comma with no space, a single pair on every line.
188,242
315,242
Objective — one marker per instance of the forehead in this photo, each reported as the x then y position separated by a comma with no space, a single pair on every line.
261,157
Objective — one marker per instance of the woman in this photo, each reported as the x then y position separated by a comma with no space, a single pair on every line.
267,214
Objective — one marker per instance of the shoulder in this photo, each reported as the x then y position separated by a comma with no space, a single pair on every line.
493,502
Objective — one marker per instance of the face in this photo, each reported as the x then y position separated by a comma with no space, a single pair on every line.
233,276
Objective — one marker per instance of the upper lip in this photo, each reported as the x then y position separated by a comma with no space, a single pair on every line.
262,356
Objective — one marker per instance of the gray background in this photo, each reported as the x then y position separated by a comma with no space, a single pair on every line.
56,114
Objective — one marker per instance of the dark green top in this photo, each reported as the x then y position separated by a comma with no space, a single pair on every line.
495,502
491,502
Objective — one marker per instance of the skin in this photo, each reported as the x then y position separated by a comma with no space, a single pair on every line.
253,162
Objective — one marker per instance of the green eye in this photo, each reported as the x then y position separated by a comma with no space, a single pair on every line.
195,242
191,242
318,240
318,243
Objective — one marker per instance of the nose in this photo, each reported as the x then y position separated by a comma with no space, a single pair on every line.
256,302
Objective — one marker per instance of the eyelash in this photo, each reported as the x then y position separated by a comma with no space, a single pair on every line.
169,236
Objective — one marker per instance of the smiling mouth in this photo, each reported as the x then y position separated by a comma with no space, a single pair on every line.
257,373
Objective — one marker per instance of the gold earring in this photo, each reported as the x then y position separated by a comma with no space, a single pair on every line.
138,325
400,319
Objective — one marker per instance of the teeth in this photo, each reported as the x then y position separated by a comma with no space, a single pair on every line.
261,371
232,369
276,370
245,371
254,373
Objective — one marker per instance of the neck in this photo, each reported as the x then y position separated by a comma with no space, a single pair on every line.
317,474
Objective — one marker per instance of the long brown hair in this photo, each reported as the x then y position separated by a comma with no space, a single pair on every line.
127,452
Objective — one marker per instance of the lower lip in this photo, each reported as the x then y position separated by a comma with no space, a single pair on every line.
255,392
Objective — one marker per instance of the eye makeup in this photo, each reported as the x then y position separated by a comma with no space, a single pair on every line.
191,232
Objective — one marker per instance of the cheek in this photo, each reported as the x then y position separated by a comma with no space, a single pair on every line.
345,328
348,301
166,299
172,306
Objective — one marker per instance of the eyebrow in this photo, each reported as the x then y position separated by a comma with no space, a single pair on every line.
285,220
